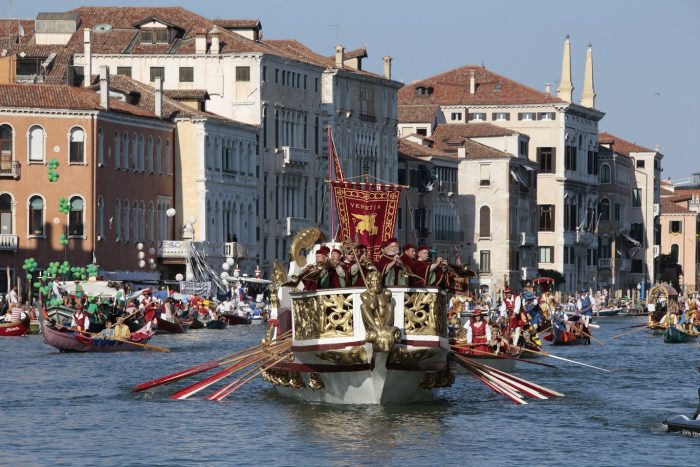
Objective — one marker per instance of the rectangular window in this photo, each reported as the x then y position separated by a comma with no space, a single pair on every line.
456,116
570,157
637,266
546,254
675,227
545,159
640,164
157,72
305,76
277,75
242,73
477,117
527,116
591,163
162,36
546,116
316,84
546,217
523,148
500,116
636,197
484,174
617,211
485,261
147,36
264,73
186,74
124,71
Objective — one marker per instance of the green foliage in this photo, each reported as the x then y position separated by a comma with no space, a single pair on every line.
53,165
63,205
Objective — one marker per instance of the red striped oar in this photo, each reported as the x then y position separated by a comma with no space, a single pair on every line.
202,367
205,383
238,382
518,387
494,387
542,389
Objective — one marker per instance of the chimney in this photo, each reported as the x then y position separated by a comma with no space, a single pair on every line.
387,67
472,82
215,47
87,50
566,87
548,88
339,56
200,42
104,87
588,95
158,98
462,152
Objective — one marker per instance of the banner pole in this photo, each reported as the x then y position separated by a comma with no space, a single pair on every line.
330,177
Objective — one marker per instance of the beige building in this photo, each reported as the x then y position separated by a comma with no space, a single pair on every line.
680,235
563,141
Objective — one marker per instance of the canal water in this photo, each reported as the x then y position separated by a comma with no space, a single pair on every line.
77,409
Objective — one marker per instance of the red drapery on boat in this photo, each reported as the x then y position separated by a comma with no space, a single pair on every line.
366,212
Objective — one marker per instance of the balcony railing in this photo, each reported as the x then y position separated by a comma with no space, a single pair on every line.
584,237
604,263
527,239
295,156
295,224
10,169
172,249
8,242
239,250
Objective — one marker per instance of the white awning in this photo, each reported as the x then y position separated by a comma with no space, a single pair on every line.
634,242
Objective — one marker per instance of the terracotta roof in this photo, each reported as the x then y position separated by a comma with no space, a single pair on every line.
356,53
455,133
669,207
415,150
177,94
238,23
452,87
64,97
417,113
665,192
620,145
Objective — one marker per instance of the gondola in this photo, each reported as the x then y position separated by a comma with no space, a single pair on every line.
216,324
503,361
196,324
71,341
20,328
172,327
673,335
234,319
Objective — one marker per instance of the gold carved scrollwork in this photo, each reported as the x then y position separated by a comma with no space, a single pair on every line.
315,382
351,356
404,357
322,316
437,379
425,314
288,379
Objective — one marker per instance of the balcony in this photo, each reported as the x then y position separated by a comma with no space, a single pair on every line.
584,237
528,273
294,157
240,250
624,264
527,239
604,263
172,249
10,169
295,224
8,242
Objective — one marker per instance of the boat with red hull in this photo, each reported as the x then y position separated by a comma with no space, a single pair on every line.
72,341
20,328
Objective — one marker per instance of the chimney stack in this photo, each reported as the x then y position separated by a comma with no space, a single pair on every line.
200,42
566,87
387,67
339,56
588,95
472,82
104,87
87,51
215,47
548,88
158,98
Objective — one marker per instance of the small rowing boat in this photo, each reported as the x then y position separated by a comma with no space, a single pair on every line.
673,335
683,424
216,324
20,328
501,361
172,327
565,334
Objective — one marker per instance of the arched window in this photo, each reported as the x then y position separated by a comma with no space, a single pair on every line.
134,165
77,146
168,158
6,148
36,144
117,219
159,158
135,225
142,221
117,150
36,215
151,222
674,252
100,147
127,222
605,173
6,214
101,216
604,210
142,154
484,221
125,151
150,154
76,218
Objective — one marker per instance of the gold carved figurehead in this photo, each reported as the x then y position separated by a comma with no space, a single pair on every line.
304,240
378,314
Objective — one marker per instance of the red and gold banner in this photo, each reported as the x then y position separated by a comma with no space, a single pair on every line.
367,213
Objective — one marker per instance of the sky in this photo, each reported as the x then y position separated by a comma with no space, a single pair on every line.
646,54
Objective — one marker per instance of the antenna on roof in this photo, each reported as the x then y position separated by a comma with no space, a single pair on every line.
337,32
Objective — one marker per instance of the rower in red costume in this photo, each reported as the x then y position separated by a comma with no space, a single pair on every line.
80,321
479,332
